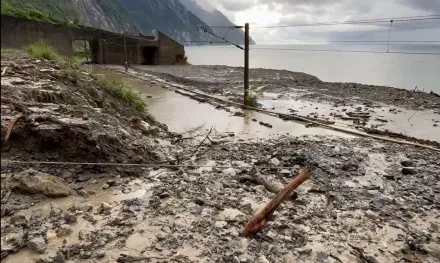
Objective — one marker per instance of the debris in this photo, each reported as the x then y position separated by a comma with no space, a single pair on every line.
408,170
33,182
37,245
260,219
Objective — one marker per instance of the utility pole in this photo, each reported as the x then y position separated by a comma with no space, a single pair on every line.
246,64
125,48
85,50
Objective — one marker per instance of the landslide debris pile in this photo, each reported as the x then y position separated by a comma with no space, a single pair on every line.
57,112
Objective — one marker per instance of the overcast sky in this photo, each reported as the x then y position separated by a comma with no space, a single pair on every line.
286,12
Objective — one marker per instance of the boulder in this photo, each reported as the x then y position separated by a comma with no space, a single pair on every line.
37,245
33,182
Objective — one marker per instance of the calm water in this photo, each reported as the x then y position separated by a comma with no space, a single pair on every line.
396,70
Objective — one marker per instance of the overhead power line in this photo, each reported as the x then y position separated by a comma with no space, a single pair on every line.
348,51
359,22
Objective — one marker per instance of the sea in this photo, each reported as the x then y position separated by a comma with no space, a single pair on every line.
337,62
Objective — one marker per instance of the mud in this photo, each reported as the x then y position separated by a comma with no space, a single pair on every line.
366,201
411,113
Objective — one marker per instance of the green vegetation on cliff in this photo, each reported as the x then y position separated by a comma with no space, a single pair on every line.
51,11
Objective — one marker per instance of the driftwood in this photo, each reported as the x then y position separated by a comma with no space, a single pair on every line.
270,185
123,258
11,126
260,219
4,71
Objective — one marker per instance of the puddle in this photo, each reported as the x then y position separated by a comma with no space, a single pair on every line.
181,114
419,124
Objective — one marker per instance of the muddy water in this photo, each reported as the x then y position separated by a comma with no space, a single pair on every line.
182,114
420,124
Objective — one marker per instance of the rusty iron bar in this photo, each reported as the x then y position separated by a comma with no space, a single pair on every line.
260,219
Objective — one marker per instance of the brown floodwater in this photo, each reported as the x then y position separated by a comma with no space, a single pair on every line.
181,113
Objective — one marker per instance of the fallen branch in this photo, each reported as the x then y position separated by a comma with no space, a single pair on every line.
11,126
4,71
271,186
123,258
260,219
202,142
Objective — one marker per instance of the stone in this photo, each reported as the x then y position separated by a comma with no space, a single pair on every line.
275,161
229,172
321,256
77,187
406,163
70,218
83,178
350,166
55,210
32,182
19,220
304,251
37,245
220,224
59,258
99,254
83,193
66,174
105,206
408,170
285,172
51,234
64,230
105,186
263,259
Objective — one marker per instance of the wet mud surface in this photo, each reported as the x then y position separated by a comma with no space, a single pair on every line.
366,201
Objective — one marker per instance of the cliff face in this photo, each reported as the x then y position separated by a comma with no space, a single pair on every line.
178,19
170,17
216,18
108,15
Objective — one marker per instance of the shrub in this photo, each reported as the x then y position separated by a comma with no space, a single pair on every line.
119,89
253,101
43,50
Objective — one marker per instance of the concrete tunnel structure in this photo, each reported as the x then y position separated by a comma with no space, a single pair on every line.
105,47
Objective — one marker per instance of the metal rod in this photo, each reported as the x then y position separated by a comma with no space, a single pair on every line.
246,64
125,48
85,50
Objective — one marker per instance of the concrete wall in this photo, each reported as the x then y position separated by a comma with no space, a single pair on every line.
19,33
169,50
106,47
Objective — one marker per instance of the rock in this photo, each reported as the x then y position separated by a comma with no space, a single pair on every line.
263,259
199,201
19,220
51,234
105,186
64,230
33,182
304,251
77,187
37,245
83,193
408,170
111,182
55,210
229,172
99,254
70,218
66,174
83,177
105,206
285,172
59,258
220,224
275,161
350,166
321,256
406,163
